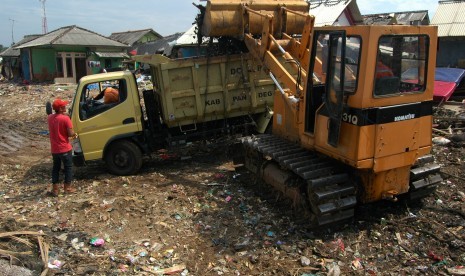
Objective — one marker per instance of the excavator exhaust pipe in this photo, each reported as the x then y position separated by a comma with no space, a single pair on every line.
234,18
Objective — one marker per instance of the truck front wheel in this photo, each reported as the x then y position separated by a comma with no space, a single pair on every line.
123,158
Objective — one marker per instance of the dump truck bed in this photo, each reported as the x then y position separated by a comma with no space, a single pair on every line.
196,90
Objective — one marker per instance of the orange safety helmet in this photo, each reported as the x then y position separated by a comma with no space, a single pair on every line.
111,95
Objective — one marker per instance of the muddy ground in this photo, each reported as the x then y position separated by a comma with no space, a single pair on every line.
198,216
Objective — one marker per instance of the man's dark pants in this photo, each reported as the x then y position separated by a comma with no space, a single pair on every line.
67,160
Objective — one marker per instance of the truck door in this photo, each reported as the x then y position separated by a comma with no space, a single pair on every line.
106,112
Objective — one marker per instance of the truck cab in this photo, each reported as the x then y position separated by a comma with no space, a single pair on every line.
102,124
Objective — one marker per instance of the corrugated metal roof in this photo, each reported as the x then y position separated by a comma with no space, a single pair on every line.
13,52
450,18
327,12
10,52
412,16
111,54
72,35
166,44
401,18
189,37
131,37
379,19
162,45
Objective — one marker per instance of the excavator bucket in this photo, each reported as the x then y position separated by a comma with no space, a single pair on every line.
234,18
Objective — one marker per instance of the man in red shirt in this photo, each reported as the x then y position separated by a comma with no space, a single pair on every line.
60,129
382,70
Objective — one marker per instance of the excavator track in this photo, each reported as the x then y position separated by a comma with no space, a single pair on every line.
312,181
424,177
316,183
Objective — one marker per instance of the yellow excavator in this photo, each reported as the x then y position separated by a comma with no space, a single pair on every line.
352,119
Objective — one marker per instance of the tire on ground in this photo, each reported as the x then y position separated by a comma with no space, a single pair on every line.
123,158
48,108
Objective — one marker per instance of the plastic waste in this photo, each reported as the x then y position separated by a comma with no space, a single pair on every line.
55,264
441,141
304,261
97,242
357,264
458,270
433,256
339,245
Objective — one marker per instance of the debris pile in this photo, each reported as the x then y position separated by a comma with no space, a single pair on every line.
199,216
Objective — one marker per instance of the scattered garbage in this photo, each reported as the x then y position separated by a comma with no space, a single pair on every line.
435,257
304,261
357,264
458,270
201,217
440,141
97,242
55,264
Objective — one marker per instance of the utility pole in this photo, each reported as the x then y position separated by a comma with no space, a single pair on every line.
12,33
44,18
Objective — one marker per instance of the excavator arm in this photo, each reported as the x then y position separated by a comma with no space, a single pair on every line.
275,33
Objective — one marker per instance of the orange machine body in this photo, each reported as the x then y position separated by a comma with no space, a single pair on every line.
381,135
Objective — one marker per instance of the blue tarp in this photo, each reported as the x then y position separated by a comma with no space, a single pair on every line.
450,74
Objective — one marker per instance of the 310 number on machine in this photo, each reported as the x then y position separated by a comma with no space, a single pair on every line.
350,118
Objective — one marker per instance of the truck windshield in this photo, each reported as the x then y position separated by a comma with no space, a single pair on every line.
400,65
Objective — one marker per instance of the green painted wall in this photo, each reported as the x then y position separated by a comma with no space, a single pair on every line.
42,67
148,37
114,63
44,61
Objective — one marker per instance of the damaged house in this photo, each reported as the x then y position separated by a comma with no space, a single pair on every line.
136,39
69,53
335,13
398,18
450,19
11,59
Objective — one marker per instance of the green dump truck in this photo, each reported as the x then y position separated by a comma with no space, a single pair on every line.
186,100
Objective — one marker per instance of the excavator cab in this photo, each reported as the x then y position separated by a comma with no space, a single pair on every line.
377,88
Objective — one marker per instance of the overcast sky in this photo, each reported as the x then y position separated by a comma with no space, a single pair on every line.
22,17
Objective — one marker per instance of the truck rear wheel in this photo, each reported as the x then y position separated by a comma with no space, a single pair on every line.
123,158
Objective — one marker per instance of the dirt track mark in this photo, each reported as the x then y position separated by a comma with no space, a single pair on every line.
10,140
